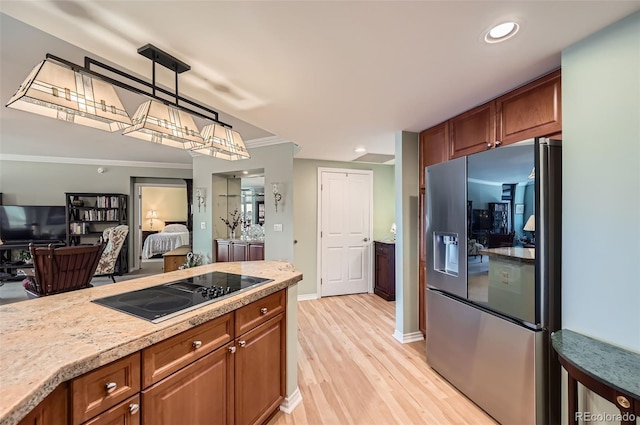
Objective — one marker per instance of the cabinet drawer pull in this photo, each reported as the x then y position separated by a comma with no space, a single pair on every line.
197,344
111,387
232,349
133,408
242,343
622,401
263,310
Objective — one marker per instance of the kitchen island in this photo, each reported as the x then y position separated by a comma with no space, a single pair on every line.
47,342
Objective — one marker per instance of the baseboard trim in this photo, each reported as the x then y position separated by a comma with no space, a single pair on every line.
409,337
291,402
307,297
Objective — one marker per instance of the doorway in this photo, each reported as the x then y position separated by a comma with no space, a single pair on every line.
168,201
345,226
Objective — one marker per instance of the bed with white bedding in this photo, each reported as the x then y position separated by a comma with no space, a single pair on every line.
171,237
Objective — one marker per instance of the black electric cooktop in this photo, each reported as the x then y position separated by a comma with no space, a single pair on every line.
162,302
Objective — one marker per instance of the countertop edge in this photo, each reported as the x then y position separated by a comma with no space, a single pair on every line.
12,415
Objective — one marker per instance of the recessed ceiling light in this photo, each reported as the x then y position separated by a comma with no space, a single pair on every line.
501,32
245,172
360,150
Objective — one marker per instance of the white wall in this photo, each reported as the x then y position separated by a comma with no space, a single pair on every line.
601,191
407,192
601,184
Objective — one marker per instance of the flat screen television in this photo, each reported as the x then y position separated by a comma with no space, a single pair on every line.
480,221
30,223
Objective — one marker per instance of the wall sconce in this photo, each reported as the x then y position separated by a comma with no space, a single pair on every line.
277,196
201,198
151,214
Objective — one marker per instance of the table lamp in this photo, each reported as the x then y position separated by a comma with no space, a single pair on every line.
530,226
151,214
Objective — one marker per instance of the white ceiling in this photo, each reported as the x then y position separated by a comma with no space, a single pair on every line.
329,76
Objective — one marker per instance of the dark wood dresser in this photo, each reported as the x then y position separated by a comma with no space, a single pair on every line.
385,270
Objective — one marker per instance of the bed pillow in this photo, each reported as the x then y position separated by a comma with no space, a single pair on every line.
175,228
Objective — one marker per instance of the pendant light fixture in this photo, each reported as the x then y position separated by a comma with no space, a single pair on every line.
222,142
59,91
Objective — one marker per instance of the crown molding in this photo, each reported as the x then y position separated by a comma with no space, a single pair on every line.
93,161
264,141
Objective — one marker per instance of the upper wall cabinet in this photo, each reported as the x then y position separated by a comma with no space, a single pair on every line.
530,111
434,147
473,131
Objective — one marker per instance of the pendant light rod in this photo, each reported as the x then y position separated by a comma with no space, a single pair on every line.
90,61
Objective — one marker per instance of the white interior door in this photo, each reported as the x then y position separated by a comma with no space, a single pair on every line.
345,231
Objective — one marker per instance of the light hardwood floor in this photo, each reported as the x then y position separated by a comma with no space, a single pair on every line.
352,371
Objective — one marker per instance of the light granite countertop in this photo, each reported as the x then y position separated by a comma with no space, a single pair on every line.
47,341
525,255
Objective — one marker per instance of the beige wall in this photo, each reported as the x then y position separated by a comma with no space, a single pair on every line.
169,202
305,211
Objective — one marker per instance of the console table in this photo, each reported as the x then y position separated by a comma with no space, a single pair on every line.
609,371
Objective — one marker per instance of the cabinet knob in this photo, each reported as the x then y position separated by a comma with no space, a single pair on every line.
111,387
242,343
197,344
133,408
622,401
498,143
489,145
232,349
263,310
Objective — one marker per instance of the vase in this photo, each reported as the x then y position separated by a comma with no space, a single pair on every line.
232,234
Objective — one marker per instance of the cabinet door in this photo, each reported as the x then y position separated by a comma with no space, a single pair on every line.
260,372
53,410
222,251
384,284
474,131
434,147
256,252
532,110
199,394
238,251
125,413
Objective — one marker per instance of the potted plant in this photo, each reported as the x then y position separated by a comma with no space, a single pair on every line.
192,260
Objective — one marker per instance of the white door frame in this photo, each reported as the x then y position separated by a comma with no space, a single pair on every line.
137,218
319,229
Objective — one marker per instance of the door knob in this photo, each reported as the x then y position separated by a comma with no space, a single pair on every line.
365,240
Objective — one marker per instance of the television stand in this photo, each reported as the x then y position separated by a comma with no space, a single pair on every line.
9,267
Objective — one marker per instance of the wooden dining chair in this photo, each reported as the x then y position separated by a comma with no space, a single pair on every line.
62,269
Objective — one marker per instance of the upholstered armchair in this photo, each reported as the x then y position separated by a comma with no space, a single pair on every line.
473,248
115,237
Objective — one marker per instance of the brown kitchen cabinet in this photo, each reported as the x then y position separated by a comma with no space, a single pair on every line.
260,370
53,410
229,370
434,147
238,250
385,270
532,110
200,393
473,131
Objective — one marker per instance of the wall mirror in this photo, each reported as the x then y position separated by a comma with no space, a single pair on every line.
238,197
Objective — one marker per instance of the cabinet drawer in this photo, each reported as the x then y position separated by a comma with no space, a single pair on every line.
258,312
97,391
168,356
125,413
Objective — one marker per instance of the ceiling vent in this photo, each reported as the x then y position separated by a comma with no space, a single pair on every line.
375,158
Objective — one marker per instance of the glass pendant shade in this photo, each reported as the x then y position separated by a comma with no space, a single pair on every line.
222,142
164,124
57,91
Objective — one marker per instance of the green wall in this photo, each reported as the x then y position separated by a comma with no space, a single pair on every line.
305,216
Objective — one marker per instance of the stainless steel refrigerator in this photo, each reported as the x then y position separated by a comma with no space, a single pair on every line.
493,223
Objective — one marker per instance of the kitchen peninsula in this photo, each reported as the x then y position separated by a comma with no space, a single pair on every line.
56,344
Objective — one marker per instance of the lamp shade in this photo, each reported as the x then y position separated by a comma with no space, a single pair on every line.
57,91
164,124
530,225
222,142
152,214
